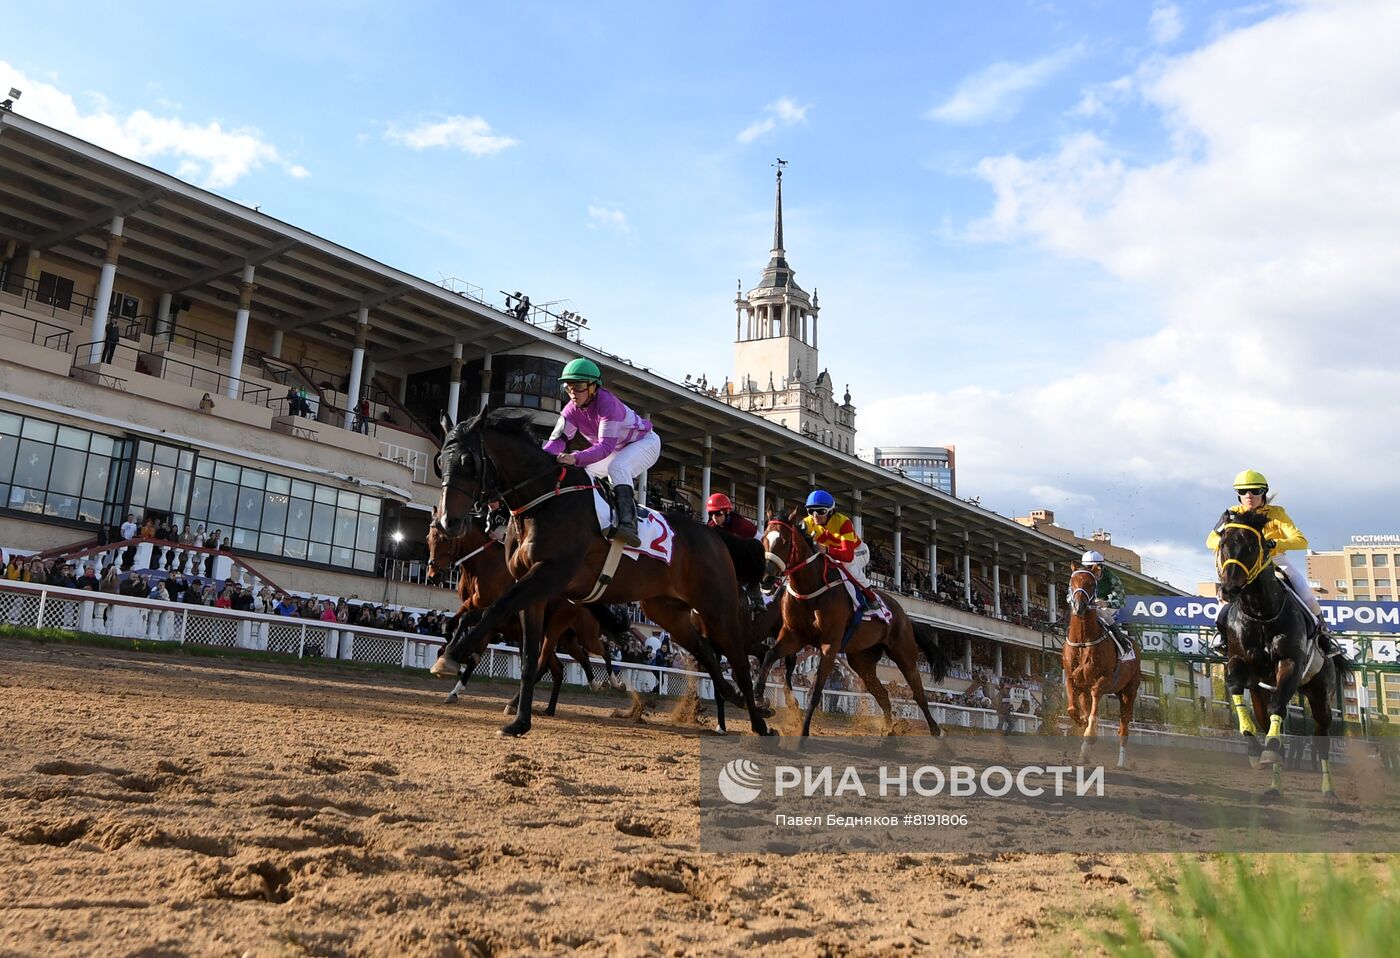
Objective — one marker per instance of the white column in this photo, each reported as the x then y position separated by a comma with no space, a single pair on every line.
642,478
103,303
996,579
898,549
277,338
162,327
967,655
856,518
240,333
933,556
1025,591
357,366
996,663
705,473
967,570
762,488
454,383
403,387
1050,592
485,381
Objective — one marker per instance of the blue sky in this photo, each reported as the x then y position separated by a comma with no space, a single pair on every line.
1028,222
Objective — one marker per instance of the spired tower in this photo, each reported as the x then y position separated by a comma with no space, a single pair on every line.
778,373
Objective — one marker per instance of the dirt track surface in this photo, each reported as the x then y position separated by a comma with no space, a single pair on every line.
167,806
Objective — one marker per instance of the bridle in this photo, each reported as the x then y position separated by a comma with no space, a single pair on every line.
1251,572
1088,607
488,488
792,563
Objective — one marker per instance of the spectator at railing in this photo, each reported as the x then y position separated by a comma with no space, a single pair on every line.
110,583
148,527
88,580
285,606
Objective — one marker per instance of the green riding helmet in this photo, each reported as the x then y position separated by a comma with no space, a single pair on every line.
581,371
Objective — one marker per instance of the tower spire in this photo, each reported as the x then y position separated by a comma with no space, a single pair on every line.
778,212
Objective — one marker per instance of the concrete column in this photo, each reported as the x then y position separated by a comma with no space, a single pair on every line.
898,549
856,519
967,570
1025,592
933,555
485,381
162,327
680,474
762,488
277,338
454,383
642,478
1050,592
33,266
996,664
705,473
102,304
240,333
357,366
733,490
967,655
996,578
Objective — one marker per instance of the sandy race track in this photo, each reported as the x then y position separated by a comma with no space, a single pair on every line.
160,805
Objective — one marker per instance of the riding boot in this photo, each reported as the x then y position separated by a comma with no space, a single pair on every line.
1328,644
627,516
1218,645
755,598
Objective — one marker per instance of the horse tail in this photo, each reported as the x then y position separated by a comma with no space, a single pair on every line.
927,640
747,555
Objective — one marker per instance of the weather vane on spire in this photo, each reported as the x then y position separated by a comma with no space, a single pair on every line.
779,165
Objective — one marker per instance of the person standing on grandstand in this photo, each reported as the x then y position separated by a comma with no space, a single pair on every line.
835,534
1108,597
623,444
1280,536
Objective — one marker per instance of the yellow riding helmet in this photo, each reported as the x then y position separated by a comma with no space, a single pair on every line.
1250,479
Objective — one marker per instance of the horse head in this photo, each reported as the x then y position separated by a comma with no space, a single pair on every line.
786,545
462,465
1241,555
1082,588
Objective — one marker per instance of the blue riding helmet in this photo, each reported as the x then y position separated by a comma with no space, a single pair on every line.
821,499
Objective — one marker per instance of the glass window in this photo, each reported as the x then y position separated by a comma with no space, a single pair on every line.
205,467
1383,584
254,478
9,424
226,472
274,516
60,506
26,500
199,499
294,548
1380,559
1360,583
166,455
364,561
186,459
270,544
73,438
222,503
322,522
95,477
32,462
302,490
39,430
299,519
250,503
9,442
279,484
325,494
90,510
1358,560
345,522
347,500
67,476
318,552
342,557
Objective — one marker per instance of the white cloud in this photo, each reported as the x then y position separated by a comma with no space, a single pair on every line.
996,92
470,134
608,217
784,111
209,154
1269,237
1165,23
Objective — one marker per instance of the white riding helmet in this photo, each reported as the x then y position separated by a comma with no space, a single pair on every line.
1091,558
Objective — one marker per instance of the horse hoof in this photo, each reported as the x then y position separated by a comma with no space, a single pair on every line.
515,729
719,729
445,667
1123,763
451,697
1329,797
508,710
1270,757
1254,761
1272,794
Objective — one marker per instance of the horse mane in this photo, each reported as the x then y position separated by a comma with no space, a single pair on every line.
509,420
1254,518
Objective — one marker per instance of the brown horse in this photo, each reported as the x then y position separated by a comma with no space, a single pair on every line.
479,561
555,550
1093,668
818,611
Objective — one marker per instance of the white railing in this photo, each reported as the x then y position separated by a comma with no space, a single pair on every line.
416,459
29,605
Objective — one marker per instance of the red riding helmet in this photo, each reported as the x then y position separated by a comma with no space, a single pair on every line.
718,502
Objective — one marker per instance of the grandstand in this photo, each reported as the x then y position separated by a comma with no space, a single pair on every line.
247,344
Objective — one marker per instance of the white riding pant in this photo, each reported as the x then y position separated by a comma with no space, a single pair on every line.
624,465
856,567
1106,613
1299,583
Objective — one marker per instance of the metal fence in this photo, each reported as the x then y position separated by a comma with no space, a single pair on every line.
40,606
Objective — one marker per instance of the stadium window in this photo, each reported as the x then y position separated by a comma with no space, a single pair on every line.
55,290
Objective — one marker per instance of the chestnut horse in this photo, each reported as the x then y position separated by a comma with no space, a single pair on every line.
480,563
1271,647
818,611
556,550
1092,668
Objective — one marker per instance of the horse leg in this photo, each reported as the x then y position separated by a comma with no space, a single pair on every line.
824,667
1320,694
1071,697
1235,678
464,674
1126,698
556,673
1285,687
1091,726
904,653
533,627
674,616
787,645
863,663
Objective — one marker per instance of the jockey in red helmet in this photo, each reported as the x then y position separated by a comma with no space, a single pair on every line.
724,518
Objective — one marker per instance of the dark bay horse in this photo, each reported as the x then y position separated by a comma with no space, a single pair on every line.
480,563
1270,647
817,611
1093,668
555,550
